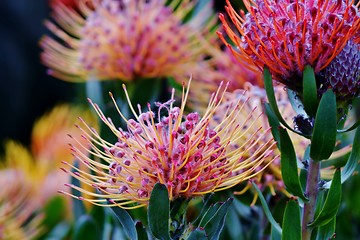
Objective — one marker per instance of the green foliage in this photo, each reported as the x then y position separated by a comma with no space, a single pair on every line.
309,91
332,203
126,221
86,228
324,134
159,212
289,167
291,222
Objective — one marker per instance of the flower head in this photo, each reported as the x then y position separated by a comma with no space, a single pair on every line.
181,151
287,35
126,40
49,146
18,216
343,73
271,176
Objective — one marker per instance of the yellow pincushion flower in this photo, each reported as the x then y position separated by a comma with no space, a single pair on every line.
126,40
40,164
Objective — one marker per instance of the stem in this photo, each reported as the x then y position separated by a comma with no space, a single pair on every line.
311,192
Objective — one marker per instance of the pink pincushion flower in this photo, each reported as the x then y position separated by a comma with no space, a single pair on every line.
285,35
184,152
126,40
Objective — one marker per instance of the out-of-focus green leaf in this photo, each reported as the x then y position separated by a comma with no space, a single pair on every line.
159,212
215,224
291,222
275,235
59,232
324,133
94,92
126,221
141,231
196,222
332,203
289,167
353,160
86,228
309,91
267,211
54,211
198,234
327,231
354,126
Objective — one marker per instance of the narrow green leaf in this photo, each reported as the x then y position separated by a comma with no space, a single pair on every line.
196,222
291,222
353,160
86,228
209,214
327,231
77,205
215,225
355,125
267,211
332,203
159,212
324,133
289,167
233,219
198,234
309,91
126,221
275,235
269,88
273,122
94,91
141,231
296,102
60,231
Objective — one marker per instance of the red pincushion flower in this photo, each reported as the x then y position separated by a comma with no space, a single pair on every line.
287,35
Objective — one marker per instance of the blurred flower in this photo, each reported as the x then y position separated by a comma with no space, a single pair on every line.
18,216
271,176
68,3
181,151
285,35
343,73
49,146
126,40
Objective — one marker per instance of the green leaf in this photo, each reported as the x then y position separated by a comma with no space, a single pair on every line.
355,125
196,222
289,167
327,231
94,91
352,162
233,219
126,221
291,222
159,212
332,203
86,228
214,226
275,235
60,231
269,88
141,231
324,133
273,122
77,205
198,234
267,211
309,91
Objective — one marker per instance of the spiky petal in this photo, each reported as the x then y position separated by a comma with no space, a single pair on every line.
181,151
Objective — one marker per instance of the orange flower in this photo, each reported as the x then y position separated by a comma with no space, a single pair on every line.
184,152
287,35
126,40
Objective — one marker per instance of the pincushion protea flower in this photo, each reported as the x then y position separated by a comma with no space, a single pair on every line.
18,216
270,177
285,35
181,151
126,40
